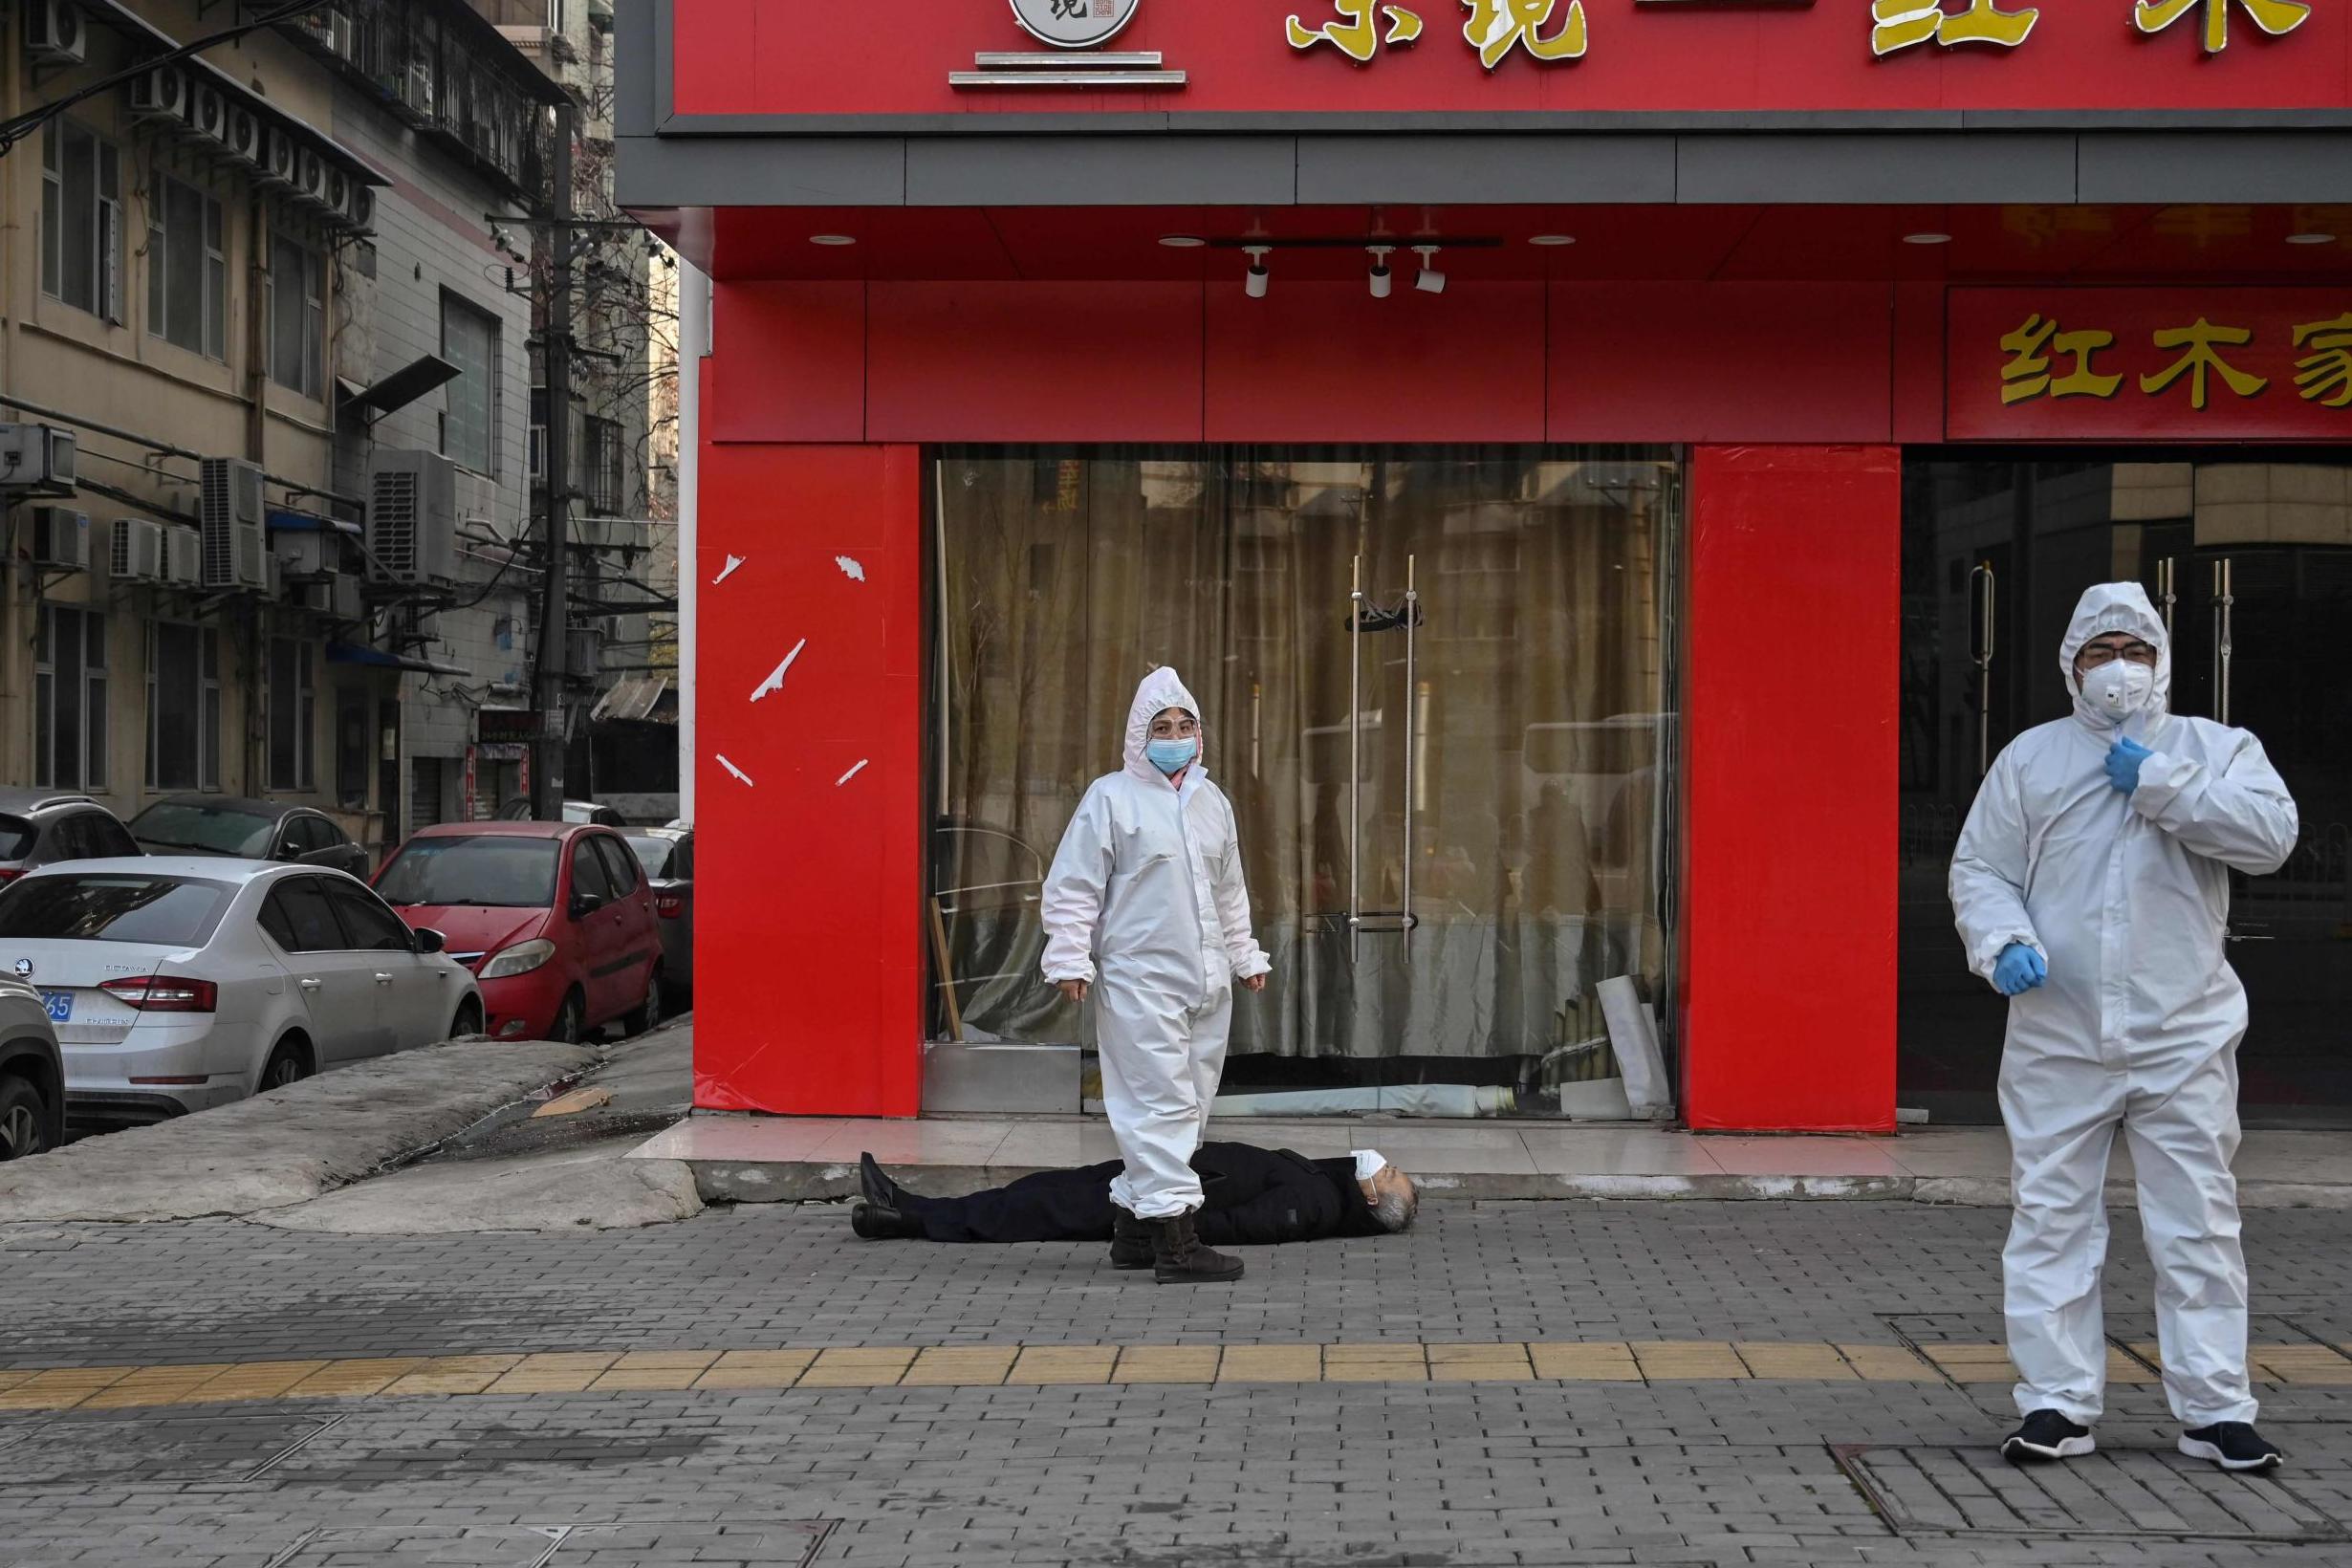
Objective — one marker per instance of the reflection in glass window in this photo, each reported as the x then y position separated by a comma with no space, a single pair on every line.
1514,773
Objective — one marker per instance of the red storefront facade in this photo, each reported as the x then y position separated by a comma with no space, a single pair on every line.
1804,253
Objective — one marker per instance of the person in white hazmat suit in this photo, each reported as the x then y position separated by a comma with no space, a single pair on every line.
1145,904
2092,887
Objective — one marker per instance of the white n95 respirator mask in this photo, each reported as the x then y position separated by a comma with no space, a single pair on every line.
2119,689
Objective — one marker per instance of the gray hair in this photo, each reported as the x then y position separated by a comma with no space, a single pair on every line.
1395,1210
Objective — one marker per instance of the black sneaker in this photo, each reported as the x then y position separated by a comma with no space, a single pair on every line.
2233,1445
2047,1435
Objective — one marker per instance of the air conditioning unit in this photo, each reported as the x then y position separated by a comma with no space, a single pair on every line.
228,512
136,552
159,94
336,597
417,92
338,191
307,551
310,176
183,556
208,115
361,209
277,158
53,32
413,517
243,137
36,458
60,537
583,647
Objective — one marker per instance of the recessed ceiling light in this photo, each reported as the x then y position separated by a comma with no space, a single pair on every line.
832,239
2311,239
1926,239
1183,242
1551,239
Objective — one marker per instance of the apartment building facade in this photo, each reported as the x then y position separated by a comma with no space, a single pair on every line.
252,281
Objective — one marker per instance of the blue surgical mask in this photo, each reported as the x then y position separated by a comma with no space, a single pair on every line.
1170,755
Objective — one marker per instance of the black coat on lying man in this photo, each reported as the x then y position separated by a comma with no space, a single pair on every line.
1253,1197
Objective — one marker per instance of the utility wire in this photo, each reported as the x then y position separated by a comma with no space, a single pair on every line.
25,124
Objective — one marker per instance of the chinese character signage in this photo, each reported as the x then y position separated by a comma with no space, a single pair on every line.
1549,31
2171,365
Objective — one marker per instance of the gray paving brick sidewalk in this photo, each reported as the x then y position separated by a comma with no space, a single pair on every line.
1312,1475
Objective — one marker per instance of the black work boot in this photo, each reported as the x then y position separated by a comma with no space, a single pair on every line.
876,1222
1130,1240
1178,1257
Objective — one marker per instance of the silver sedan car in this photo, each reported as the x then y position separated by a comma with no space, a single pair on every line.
179,984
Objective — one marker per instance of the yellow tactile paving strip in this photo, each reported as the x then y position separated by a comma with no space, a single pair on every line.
1031,1366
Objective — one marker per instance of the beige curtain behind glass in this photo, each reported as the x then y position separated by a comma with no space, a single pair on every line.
1531,782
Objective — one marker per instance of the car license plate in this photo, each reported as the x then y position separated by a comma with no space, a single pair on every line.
61,1005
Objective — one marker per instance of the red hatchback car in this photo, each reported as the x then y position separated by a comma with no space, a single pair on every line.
554,920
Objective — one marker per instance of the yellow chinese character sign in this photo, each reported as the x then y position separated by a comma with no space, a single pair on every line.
2276,17
1355,30
1542,29
2161,364
1897,25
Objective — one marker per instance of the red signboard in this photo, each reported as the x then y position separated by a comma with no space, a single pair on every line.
1497,57
2132,364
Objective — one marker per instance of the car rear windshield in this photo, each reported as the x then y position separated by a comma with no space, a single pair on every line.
494,869
163,911
16,837
652,853
173,824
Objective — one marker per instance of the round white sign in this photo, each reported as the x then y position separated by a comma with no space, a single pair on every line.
1074,24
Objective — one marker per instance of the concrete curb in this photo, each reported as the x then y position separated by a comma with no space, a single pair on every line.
781,1181
289,1146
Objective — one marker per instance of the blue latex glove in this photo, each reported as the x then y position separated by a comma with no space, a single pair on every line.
2123,759
2020,969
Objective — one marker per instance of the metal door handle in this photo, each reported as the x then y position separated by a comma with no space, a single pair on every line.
1412,702
383,979
2225,604
1355,728
309,985
1987,625
2167,592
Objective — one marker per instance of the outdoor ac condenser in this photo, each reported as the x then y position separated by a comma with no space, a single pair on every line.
183,556
136,551
60,538
228,513
39,458
413,517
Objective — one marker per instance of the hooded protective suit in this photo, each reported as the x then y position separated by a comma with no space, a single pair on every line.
2128,898
1145,901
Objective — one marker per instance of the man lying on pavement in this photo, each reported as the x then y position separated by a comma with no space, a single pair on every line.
1254,1197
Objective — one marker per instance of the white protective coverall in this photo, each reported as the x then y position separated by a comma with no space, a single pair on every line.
2127,899
1147,886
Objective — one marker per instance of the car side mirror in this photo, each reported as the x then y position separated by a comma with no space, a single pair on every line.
584,904
430,941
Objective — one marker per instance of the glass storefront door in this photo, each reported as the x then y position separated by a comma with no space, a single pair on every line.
2251,560
1435,689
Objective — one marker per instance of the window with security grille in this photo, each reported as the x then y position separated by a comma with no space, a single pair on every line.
69,699
604,487
188,269
81,219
